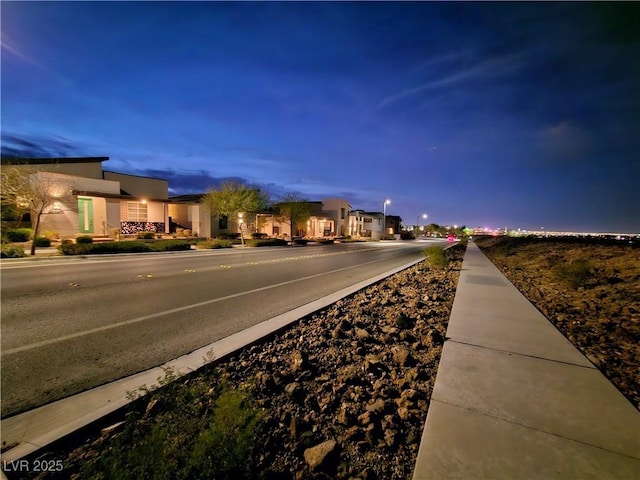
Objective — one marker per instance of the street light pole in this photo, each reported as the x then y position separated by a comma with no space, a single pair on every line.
240,225
384,217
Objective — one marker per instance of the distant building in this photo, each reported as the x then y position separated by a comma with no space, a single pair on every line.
393,225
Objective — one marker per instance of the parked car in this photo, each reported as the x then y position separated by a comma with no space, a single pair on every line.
451,238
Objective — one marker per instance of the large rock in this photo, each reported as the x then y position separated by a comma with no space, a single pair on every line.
320,454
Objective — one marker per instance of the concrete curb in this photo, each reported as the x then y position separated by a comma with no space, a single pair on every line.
37,428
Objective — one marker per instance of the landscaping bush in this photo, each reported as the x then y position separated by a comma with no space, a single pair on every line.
259,235
407,235
300,241
146,235
84,239
214,243
42,242
18,234
229,236
325,241
168,245
266,242
123,247
12,251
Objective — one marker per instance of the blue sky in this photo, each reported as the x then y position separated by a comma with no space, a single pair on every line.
523,115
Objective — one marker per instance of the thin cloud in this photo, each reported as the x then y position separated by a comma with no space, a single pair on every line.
492,67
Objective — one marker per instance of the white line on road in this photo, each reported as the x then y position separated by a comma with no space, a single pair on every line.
51,341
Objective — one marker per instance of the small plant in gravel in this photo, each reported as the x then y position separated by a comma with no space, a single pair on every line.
436,256
576,273
187,429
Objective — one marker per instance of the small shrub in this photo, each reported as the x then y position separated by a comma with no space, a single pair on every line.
215,243
223,449
229,236
19,234
575,274
436,256
42,242
168,245
266,242
300,241
84,239
325,241
12,251
258,235
131,246
146,235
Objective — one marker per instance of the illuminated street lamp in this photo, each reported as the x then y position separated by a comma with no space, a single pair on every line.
240,223
424,216
384,217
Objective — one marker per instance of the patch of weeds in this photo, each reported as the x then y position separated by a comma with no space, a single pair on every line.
221,451
436,256
575,274
209,356
189,429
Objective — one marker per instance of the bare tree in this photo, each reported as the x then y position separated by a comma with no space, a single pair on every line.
293,209
28,190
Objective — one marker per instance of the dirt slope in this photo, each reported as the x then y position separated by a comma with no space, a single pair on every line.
590,292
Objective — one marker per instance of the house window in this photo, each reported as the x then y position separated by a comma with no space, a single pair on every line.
223,222
342,212
137,212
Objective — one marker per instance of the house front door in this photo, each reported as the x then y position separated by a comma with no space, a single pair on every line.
85,215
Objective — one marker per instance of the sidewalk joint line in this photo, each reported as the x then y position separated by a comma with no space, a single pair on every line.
484,414
591,367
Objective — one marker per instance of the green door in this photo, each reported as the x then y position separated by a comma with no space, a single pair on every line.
85,215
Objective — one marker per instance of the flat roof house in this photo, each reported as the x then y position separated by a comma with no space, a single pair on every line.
89,200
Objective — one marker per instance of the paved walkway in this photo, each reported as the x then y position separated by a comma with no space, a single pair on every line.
514,399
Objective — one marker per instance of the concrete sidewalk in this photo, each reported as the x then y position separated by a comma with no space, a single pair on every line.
514,399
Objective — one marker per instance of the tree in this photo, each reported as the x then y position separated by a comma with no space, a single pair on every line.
231,199
293,209
27,190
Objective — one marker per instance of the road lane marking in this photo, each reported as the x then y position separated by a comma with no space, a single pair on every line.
132,321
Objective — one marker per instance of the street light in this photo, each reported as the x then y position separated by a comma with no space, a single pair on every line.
384,217
424,215
240,226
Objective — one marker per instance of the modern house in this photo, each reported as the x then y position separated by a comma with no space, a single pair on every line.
82,198
317,224
366,224
327,218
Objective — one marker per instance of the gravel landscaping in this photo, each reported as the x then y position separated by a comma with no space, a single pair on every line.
343,394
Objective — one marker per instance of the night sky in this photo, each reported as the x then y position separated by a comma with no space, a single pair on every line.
518,115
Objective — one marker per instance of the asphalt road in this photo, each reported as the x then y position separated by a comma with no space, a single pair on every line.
70,324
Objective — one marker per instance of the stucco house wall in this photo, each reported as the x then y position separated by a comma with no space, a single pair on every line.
337,209
137,186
